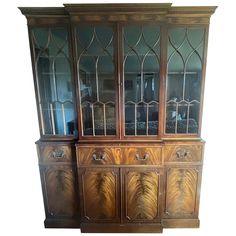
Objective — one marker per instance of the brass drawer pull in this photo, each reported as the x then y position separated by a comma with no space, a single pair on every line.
57,154
144,158
98,157
182,154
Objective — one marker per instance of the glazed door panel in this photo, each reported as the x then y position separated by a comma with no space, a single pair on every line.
97,79
59,190
182,192
53,80
185,61
99,194
141,75
142,194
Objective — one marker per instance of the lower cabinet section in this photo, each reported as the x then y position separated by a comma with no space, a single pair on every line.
98,195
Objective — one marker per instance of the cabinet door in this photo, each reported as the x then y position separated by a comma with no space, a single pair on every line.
141,75
58,184
185,70
53,80
182,192
97,80
142,194
99,194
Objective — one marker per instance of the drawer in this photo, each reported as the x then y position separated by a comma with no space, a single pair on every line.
98,155
183,153
51,153
119,156
142,156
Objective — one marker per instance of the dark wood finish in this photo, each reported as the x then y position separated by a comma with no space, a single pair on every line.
54,152
62,223
142,155
181,223
183,153
121,228
59,191
119,155
126,184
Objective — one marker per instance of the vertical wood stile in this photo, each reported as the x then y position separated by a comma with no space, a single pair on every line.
52,119
63,118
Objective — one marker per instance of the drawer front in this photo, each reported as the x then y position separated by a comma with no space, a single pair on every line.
98,155
142,156
183,153
51,153
119,155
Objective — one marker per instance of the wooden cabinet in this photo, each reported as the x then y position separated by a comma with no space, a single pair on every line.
119,91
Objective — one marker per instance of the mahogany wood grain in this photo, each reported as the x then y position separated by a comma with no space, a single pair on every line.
141,194
183,153
54,152
99,194
182,192
59,190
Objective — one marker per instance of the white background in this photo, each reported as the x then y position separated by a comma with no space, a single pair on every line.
21,203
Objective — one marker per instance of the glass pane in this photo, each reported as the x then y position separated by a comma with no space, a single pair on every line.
53,78
185,53
141,79
97,79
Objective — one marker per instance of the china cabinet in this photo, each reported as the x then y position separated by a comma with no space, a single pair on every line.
119,91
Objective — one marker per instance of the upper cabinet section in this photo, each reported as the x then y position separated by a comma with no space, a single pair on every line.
119,71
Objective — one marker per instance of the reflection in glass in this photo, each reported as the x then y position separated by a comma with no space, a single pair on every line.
185,53
141,79
53,78
97,80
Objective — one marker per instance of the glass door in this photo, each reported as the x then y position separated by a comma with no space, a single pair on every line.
97,80
141,76
184,79
53,79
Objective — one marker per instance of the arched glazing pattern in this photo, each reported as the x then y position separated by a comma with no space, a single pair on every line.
96,73
54,80
184,79
141,63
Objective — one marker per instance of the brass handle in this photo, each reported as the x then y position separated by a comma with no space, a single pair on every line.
181,154
144,158
58,154
98,157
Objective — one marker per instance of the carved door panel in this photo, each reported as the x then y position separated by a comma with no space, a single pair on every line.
99,194
58,183
182,192
142,194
